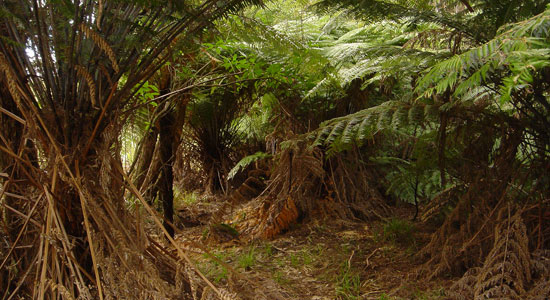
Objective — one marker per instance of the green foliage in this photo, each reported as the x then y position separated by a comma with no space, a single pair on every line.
348,286
213,269
294,260
280,278
147,92
268,249
514,55
246,161
184,198
340,134
307,257
398,231
479,21
256,124
415,179
384,296
248,259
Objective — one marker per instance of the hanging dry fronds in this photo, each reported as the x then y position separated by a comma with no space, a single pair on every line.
507,268
463,289
251,188
279,218
101,43
295,186
467,235
10,78
465,225
82,72
540,266
300,186
353,187
62,290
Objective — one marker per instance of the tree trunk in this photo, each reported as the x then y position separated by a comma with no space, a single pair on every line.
147,152
214,184
166,192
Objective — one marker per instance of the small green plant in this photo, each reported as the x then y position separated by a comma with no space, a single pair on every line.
398,231
349,284
268,249
247,259
190,197
294,260
280,263
213,269
280,278
384,296
205,233
307,257
184,198
220,275
320,250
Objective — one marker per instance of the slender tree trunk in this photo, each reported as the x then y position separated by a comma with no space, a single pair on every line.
146,156
170,127
166,191
214,184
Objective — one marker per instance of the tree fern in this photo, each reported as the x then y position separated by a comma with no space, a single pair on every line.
518,52
480,20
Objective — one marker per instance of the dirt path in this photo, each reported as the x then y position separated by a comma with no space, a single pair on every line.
323,260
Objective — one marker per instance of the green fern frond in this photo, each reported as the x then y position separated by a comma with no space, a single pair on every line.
245,162
400,118
355,128
517,52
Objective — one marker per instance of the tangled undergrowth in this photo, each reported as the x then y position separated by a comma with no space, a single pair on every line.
437,109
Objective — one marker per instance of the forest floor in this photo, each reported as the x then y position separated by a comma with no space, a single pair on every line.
322,259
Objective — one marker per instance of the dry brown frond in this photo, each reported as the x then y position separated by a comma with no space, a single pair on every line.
435,207
300,186
466,225
540,266
101,43
193,282
540,291
62,290
353,190
463,289
208,294
227,295
278,218
10,78
507,268
541,263
82,72
295,186
99,14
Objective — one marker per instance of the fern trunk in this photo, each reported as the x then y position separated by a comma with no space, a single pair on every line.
166,190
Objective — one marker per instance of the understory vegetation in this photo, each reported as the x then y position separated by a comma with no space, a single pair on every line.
249,149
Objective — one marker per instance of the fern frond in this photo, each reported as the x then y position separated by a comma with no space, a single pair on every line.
101,43
245,162
363,125
519,51
415,11
82,72
507,268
